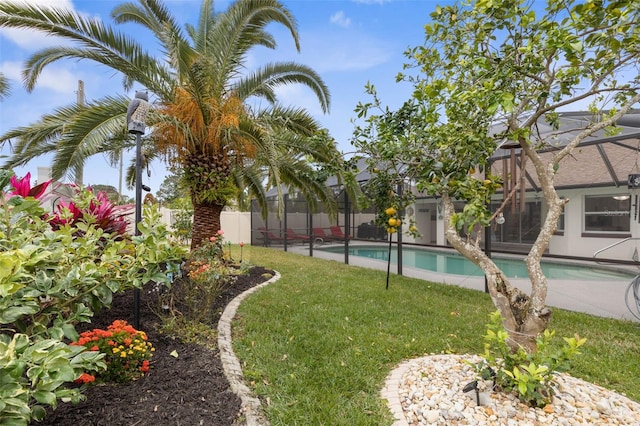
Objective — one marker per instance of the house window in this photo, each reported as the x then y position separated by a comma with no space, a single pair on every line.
606,213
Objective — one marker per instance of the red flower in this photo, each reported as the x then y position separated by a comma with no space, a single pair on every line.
23,187
85,378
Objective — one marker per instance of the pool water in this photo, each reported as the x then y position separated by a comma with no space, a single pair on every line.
454,263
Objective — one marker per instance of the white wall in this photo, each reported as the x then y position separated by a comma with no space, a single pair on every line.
235,225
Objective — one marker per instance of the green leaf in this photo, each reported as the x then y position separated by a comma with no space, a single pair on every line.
38,412
14,313
45,397
70,332
522,388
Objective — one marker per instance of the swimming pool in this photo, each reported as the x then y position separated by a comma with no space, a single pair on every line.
455,263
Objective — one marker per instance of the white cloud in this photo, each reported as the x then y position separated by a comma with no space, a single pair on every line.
67,4
28,39
33,40
299,96
333,52
12,70
57,79
340,19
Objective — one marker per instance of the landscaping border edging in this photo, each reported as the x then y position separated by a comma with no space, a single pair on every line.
250,404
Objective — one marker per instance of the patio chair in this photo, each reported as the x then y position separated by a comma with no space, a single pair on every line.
294,236
319,236
336,233
269,236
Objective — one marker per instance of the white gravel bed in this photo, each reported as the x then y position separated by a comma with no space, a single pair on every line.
429,391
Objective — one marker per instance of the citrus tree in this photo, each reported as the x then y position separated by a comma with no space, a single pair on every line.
488,73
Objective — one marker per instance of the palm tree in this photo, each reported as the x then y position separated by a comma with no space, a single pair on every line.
203,122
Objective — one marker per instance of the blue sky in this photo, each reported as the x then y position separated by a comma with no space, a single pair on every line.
348,42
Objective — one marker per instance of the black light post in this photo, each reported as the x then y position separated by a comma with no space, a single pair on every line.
136,116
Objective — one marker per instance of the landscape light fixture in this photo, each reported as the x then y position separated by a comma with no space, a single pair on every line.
136,123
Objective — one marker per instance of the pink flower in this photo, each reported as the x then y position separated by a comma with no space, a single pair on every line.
22,187
212,239
241,244
220,232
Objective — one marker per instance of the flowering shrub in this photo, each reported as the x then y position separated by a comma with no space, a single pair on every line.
51,280
209,270
94,209
210,250
127,352
86,207
23,188
209,262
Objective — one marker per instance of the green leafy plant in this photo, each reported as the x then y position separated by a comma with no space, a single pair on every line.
126,352
207,272
182,225
52,278
213,249
33,372
530,374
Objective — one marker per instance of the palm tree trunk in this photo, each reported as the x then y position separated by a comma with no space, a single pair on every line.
206,222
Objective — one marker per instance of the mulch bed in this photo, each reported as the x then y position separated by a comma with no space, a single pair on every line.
189,390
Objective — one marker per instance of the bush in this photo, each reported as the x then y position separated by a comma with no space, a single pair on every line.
530,374
53,278
126,352
207,273
182,220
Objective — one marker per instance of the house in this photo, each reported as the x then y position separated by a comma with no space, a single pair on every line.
602,216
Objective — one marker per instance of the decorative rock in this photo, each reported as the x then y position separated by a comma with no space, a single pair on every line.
432,416
432,386
603,406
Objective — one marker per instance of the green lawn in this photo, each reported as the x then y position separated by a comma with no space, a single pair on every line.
318,344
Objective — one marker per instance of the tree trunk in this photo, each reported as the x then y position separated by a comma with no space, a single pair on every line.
524,318
206,221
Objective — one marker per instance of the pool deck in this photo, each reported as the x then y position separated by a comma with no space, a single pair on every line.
600,298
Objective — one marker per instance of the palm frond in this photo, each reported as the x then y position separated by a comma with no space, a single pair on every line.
206,21
157,18
107,46
250,182
273,75
93,130
4,86
239,29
